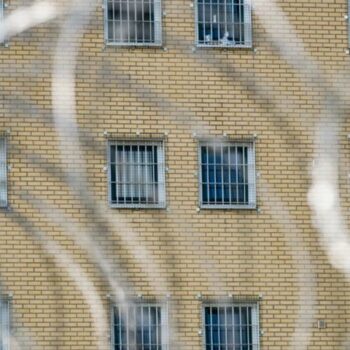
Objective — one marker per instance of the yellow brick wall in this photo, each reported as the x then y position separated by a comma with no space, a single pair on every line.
173,93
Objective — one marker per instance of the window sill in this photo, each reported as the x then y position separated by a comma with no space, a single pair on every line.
228,207
133,45
222,46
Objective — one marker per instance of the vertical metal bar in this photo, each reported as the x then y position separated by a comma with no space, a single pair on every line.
226,325
225,18
149,326
237,193
233,327
222,175
141,308
229,160
240,328
211,22
244,174
204,6
211,328
215,179
121,21
154,149
208,169
120,326
143,21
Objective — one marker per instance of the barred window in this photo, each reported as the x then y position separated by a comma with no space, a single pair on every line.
224,23
231,326
227,175
133,22
139,326
3,172
137,174
4,323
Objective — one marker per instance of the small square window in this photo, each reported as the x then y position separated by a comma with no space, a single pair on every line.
133,22
231,326
136,174
141,326
227,175
225,23
3,172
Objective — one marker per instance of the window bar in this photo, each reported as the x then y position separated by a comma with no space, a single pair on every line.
211,327
208,178
153,175
222,175
225,322
150,21
240,20
120,20
244,174
143,20
204,20
233,326
236,161
135,21
225,18
120,326
124,173
229,175
240,328
211,22
138,172
218,20
233,20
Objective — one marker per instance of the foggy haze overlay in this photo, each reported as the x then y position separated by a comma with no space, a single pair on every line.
323,197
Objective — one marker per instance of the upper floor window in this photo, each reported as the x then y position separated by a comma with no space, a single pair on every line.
3,172
231,326
136,174
141,326
227,175
224,23
133,22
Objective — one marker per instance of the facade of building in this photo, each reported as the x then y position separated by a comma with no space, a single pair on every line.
155,164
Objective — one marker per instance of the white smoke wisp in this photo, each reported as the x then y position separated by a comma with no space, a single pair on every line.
27,17
301,260
324,199
87,289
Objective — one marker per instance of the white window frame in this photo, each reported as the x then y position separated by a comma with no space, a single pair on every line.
158,35
223,42
161,183
5,322
255,326
251,176
3,171
142,303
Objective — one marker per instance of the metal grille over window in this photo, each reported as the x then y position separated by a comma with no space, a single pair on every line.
133,22
227,175
5,324
137,174
139,326
224,23
3,172
231,327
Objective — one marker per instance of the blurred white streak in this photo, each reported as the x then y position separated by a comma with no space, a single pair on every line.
26,17
86,288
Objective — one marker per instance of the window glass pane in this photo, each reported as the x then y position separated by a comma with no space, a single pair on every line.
225,173
138,327
226,327
137,176
133,21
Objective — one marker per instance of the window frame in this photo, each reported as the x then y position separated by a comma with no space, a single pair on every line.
248,44
164,324
4,139
155,43
252,204
254,304
5,321
160,168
